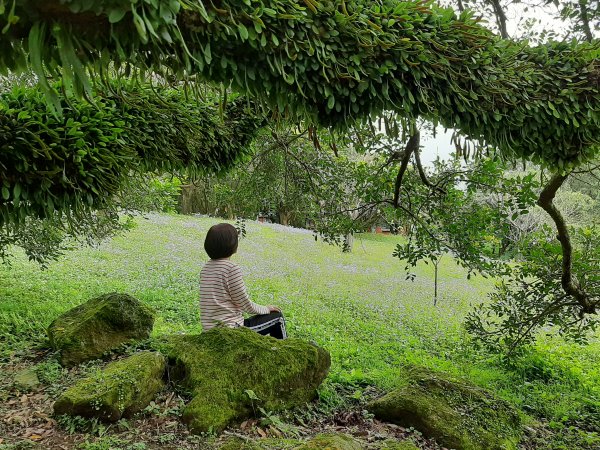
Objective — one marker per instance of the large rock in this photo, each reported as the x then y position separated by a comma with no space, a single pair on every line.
331,441
99,325
232,372
454,412
121,389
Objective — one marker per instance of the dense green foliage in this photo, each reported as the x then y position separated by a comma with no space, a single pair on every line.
333,61
292,181
532,297
77,162
468,219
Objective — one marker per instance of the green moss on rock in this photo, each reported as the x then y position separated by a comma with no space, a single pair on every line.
232,372
331,441
239,444
27,379
399,445
99,325
121,389
454,412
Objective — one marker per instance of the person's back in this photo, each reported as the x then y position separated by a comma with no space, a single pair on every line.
223,296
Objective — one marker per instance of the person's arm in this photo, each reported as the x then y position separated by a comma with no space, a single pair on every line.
239,296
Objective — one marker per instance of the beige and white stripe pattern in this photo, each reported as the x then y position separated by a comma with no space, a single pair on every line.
223,295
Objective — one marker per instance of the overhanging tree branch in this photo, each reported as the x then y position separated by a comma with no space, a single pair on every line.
330,64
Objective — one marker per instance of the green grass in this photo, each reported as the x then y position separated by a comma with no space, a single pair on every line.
359,306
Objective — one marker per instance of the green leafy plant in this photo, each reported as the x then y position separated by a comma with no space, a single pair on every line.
532,297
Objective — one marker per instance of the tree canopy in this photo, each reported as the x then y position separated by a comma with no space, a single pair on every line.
330,61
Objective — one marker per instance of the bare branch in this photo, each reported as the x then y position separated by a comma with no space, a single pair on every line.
569,282
423,175
411,146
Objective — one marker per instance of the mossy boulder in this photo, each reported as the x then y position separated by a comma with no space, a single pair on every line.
99,325
331,441
453,411
231,372
121,389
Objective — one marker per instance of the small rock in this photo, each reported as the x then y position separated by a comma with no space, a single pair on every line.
454,412
99,325
27,379
331,441
399,445
121,389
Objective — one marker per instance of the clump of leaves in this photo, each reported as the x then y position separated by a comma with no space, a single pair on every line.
466,216
77,162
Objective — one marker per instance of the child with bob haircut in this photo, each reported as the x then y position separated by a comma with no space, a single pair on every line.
223,296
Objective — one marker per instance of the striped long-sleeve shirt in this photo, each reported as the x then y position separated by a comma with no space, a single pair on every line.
223,295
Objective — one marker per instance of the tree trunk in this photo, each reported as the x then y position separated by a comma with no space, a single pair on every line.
569,282
348,242
284,217
500,17
585,20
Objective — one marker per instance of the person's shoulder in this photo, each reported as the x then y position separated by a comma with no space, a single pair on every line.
224,263
233,270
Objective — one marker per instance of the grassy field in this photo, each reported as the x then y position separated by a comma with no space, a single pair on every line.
359,306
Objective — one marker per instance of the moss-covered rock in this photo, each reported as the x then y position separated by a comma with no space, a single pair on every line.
121,389
239,444
27,379
454,412
399,445
101,324
232,372
331,441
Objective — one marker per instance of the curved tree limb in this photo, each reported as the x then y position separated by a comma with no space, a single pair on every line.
412,146
423,175
569,282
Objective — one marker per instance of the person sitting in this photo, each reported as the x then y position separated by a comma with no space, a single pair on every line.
223,296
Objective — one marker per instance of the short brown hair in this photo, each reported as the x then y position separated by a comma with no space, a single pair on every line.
221,241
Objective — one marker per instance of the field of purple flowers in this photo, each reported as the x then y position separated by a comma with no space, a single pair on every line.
358,305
